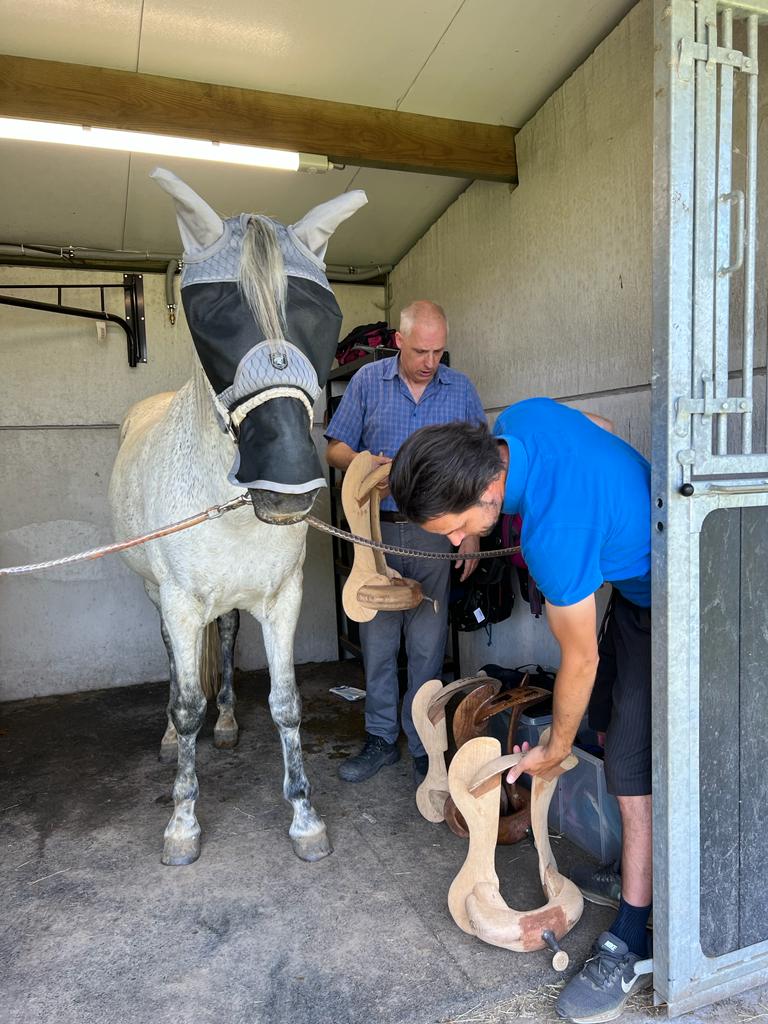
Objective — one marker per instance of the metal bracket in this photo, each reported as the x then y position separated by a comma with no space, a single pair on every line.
690,51
133,324
133,289
685,407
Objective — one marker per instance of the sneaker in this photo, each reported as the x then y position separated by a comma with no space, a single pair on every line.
376,753
599,885
604,985
420,768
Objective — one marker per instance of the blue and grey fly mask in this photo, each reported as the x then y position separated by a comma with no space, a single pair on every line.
265,324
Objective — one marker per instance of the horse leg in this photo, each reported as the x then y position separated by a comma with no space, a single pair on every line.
278,623
168,744
185,630
225,731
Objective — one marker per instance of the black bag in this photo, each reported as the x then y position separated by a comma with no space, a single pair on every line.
483,599
512,678
363,339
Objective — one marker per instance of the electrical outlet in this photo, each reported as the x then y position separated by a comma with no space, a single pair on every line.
101,330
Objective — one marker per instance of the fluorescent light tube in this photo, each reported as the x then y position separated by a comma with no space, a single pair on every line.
159,145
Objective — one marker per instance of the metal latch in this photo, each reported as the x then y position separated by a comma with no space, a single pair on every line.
708,406
689,51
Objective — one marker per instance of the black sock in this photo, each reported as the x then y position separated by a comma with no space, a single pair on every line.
630,925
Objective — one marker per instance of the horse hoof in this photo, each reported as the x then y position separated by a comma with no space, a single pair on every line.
169,753
312,847
225,739
177,852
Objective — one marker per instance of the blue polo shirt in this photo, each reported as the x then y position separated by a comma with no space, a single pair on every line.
585,499
377,412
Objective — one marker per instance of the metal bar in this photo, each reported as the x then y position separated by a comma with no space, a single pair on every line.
89,314
133,290
724,186
60,287
758,7
751,231
672,376
705,220
754,464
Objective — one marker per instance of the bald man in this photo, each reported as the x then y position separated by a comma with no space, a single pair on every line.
385,402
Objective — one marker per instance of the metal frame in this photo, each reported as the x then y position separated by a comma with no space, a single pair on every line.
133,324
704,235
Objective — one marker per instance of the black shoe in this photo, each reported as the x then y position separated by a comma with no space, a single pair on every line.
605,983
599,885
602,885
376,753
420,768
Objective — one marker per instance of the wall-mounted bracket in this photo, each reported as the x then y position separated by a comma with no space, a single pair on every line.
133,324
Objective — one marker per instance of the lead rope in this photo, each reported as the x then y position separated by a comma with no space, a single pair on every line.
219,510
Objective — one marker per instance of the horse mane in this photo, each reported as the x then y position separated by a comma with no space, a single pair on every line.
262,278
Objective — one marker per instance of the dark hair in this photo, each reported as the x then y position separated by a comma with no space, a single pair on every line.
444,469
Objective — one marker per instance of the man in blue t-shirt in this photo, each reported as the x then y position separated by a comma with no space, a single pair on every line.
584,498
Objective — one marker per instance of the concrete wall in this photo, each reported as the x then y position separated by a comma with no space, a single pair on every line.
548,287
62,396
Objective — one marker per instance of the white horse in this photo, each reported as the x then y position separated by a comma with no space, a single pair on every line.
240,422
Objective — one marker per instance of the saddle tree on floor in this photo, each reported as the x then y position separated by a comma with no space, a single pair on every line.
471,719
474,900
428,714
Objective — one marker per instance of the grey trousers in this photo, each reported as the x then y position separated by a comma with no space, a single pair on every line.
425,636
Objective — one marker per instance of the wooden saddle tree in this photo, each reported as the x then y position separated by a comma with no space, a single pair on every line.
472,719
481,703
474,900
428,714
371,585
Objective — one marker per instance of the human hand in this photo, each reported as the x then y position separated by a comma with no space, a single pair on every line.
383,485
470,543
543,760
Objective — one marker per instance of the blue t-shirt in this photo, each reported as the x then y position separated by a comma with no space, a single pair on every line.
585,500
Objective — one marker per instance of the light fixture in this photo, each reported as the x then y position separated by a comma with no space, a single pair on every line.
159,145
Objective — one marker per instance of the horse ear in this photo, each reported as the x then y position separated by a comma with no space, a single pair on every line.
316,227
199,225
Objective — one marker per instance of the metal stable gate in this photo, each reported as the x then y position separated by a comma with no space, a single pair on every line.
710,494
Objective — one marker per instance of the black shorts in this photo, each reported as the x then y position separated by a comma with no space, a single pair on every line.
620,704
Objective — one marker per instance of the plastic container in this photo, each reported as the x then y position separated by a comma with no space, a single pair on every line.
530,727
586,813
582,809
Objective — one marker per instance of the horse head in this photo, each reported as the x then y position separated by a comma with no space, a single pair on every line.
265,324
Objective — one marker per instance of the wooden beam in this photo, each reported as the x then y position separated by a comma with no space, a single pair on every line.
344,132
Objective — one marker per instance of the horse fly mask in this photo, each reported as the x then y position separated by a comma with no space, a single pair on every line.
265,324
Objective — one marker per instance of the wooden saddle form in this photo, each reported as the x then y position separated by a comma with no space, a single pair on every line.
471,719
371,585
474,900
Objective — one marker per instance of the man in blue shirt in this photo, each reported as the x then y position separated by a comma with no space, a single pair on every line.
584,498
383,404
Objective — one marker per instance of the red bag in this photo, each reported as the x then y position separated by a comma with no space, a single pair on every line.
511,529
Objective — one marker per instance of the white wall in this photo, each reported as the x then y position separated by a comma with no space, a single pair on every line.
62,396
548,287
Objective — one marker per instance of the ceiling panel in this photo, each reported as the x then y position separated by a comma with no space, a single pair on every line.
61,195
403,206
400,206
351,51
499,61
100,32
483,60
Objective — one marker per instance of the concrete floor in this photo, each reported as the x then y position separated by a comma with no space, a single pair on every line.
96,931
